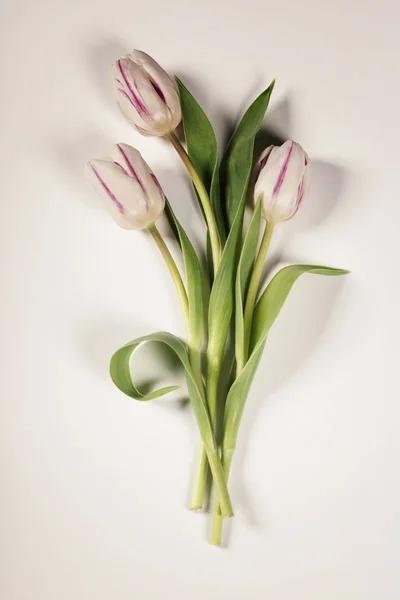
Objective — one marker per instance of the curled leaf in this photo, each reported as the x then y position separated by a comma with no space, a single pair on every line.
121,376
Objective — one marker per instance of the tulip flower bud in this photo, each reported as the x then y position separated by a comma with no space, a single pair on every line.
146,95
283,177
129,188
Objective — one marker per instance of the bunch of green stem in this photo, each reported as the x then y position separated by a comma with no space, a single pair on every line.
242,355
194,349
194,346
214,364
213,367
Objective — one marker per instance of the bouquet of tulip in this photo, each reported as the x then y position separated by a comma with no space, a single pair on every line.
225,294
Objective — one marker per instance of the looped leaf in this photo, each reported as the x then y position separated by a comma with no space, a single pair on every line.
265,315
121,376
120,370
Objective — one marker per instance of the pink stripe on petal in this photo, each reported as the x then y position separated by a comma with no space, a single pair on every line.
282,174
135,175
109,192
130,167
123,92
139,105
141,130
121,167
154,178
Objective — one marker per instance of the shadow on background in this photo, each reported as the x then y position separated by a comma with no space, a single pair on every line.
70,158
99,58
293,340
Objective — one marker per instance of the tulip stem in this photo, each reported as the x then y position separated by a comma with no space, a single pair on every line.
253,290
200,482
218,519
173,269
194,358
241,359
204,199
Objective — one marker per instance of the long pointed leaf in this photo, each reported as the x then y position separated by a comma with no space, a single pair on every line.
275,294
237,162
265,315
202,149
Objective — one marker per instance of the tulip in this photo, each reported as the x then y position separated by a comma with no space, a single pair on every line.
146,95
283,177
128,187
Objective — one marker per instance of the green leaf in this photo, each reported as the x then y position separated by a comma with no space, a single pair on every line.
236,399
120,366
194,282
172,223
202,149
237,162
265,314
246,262
121,376
274,296
222,296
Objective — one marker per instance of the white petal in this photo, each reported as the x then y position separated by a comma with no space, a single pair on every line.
292,174
163,82
138,98
264,155
124,99
121,194
267,177
281,180
137,167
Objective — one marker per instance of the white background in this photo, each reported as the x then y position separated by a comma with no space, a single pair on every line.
95,485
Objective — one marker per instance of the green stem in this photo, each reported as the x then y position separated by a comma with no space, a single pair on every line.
200,482
195,361
202,469
204,199
201,476
173,269
194,352
213,459
219,479
253,289
241,356
200,479
218,519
